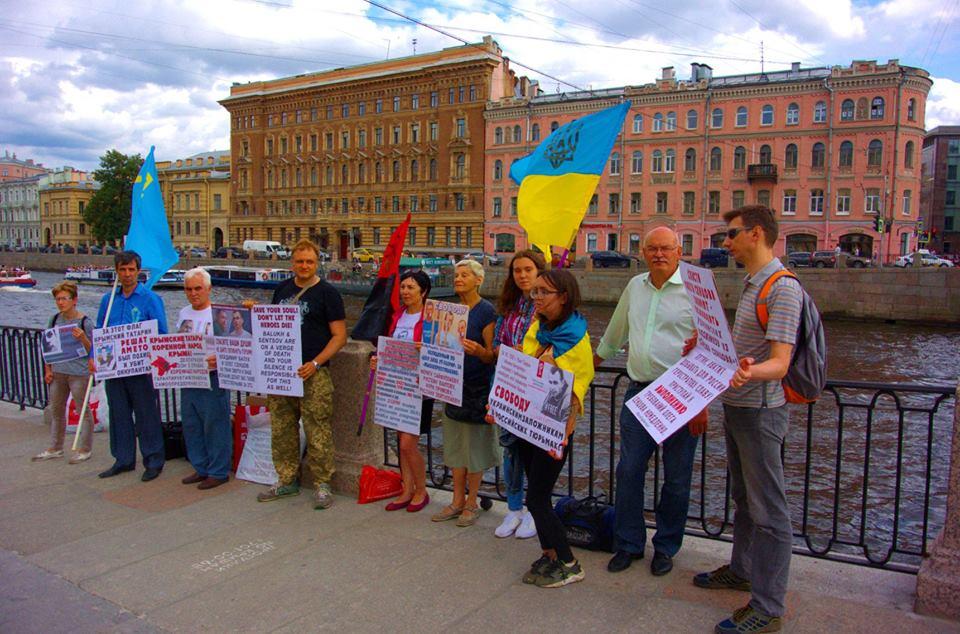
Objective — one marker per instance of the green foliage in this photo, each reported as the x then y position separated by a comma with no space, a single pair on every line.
108,212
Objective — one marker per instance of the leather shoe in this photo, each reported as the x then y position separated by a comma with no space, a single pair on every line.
662,564
193,478
114,470
150,474
622,560
212,483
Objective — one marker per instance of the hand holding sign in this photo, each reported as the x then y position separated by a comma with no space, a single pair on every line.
743,374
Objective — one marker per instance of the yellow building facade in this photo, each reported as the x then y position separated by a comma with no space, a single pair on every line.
63,195
196,195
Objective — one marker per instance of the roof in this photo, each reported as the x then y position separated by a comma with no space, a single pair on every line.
944,130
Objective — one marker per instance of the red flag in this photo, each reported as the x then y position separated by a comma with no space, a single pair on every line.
384,299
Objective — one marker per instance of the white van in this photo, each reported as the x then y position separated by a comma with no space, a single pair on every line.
266,248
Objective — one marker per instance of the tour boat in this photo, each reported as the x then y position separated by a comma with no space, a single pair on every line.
247,276
104,277
18,278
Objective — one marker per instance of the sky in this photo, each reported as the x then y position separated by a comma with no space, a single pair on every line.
78,78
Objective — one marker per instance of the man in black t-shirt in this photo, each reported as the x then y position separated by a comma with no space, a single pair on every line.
323,331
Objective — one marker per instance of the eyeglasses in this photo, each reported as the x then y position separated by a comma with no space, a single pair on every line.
735,231
537,293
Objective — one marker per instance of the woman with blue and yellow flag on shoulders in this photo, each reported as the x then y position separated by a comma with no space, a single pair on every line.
559,337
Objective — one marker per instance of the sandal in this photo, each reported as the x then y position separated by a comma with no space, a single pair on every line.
468,517
449,512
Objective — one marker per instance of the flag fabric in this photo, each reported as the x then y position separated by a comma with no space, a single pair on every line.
149,234
558,179
384,298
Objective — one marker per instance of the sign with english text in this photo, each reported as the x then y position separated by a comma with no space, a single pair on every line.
258,349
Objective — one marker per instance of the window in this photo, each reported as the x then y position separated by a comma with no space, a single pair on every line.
517,134
846,154
816,202
671,121
636,163
431,236
591,242
670,162
592,205
414,102
818,156
686,244
689,203
378,136
497,207
716,119
434,99
434,130
741,117
820,112
789,202
691,119
414,206
513,205
414,132
713,202
738,199
907,201
344,140
535,132
473,97
790,157
498,136
395,135
908,155
912,109
553,126
461,128
875,153
716,159
690,160
433,202
661,202
614,204
763,197
396,103
615,164
376,235
361,108
451,98
637,123
847,110
378,172
345,110
740,158
395,204
658,122
766,154
396,171
635,202
876,108
657,162
361,138
460,162
414,170
497,170
766,115
460,92
433,169
378,106
793,114
458,202
871,201
635,243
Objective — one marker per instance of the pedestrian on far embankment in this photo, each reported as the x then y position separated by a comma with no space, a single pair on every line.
68,377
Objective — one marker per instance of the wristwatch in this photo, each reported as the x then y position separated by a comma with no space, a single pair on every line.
316,366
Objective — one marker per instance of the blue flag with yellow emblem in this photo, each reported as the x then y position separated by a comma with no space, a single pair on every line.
558,179
149,234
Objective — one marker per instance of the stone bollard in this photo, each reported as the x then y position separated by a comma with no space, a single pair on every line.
938,582
917,261
589,264
731,263
349,370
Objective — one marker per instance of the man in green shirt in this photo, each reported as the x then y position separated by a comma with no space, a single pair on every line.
655,317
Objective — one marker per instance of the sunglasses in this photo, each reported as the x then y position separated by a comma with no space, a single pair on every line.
735,231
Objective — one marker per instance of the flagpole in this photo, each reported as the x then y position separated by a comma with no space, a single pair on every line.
366,402
86,397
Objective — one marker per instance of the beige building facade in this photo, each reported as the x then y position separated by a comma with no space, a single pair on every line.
63,195
196,196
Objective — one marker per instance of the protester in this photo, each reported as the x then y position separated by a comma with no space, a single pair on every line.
559,337
654,315
323,332
469,445
132,398
407,325
204,413
516,312
68,377
755,424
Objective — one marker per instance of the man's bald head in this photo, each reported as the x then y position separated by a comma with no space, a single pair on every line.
661,233
661,251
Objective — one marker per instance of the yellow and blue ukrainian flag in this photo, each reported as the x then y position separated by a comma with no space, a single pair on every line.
149,234
558,179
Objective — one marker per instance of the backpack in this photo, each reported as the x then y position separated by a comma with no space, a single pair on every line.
806,377
588,522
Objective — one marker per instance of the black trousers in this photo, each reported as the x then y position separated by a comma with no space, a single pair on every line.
542,471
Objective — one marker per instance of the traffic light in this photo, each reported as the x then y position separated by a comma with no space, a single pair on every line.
878,224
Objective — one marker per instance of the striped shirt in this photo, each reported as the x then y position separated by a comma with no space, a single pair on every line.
511,327
784,303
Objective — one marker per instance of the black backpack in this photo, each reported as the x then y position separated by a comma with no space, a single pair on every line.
589,522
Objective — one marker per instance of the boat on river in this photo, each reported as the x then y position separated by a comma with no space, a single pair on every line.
104,277
17,277
247,276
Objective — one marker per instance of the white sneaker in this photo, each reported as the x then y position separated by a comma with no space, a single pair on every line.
509,524
48,454
527,528
79,457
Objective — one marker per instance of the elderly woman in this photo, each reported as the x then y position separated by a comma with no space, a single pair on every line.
68,377
469,445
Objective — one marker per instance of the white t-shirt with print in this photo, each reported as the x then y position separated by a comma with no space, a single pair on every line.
406,325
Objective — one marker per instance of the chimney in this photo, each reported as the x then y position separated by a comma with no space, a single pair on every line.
706,72
694,72
668,73
795,67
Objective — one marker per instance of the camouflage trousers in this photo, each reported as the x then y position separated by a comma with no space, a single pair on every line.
315,409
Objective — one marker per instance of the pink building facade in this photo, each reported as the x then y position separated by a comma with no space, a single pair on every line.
830,149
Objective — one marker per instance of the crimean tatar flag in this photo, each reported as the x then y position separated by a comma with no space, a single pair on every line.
558,179
149,234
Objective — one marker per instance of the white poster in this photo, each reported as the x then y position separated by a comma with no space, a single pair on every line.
179,361
441,374
59,344
258,349
399,402
123,350
687,387
531,399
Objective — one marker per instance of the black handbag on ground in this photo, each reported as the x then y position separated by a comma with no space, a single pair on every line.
589,522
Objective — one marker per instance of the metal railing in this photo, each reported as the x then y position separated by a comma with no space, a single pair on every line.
866,465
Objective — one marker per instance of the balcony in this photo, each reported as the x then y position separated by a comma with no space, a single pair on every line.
762,172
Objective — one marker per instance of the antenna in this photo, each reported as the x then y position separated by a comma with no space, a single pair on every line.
388,47
761,57
414,46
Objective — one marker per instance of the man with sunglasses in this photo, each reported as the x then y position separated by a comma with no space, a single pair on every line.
755,424
654,315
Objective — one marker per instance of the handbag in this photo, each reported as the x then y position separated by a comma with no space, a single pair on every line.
473,405
378,484
588,522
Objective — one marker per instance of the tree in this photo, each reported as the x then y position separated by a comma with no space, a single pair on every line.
108,212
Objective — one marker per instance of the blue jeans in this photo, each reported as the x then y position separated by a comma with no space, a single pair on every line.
205,415
512,470
135,415
636,448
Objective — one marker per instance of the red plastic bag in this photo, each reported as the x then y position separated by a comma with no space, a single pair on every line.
378,484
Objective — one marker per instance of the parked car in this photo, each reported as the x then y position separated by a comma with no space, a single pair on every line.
234,252
858,261
604,259
109,250
365,255
324,256
927,259
799,258
95,249
197,252
714,257
69,249
492,259
823,259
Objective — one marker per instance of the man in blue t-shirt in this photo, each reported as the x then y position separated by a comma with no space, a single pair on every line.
132,398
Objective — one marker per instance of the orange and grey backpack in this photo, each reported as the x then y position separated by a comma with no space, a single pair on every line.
807,375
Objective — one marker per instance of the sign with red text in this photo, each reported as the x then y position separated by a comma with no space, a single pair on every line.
399,402
441,374
179,361
689,385
123,350
531,399
258,349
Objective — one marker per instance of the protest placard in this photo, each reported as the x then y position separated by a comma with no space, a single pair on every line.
58,344
399,401
531,399
441,374
258,349
179,361
123,350
444,323
689,385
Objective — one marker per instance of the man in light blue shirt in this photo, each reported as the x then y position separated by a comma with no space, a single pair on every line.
654,315
133,397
